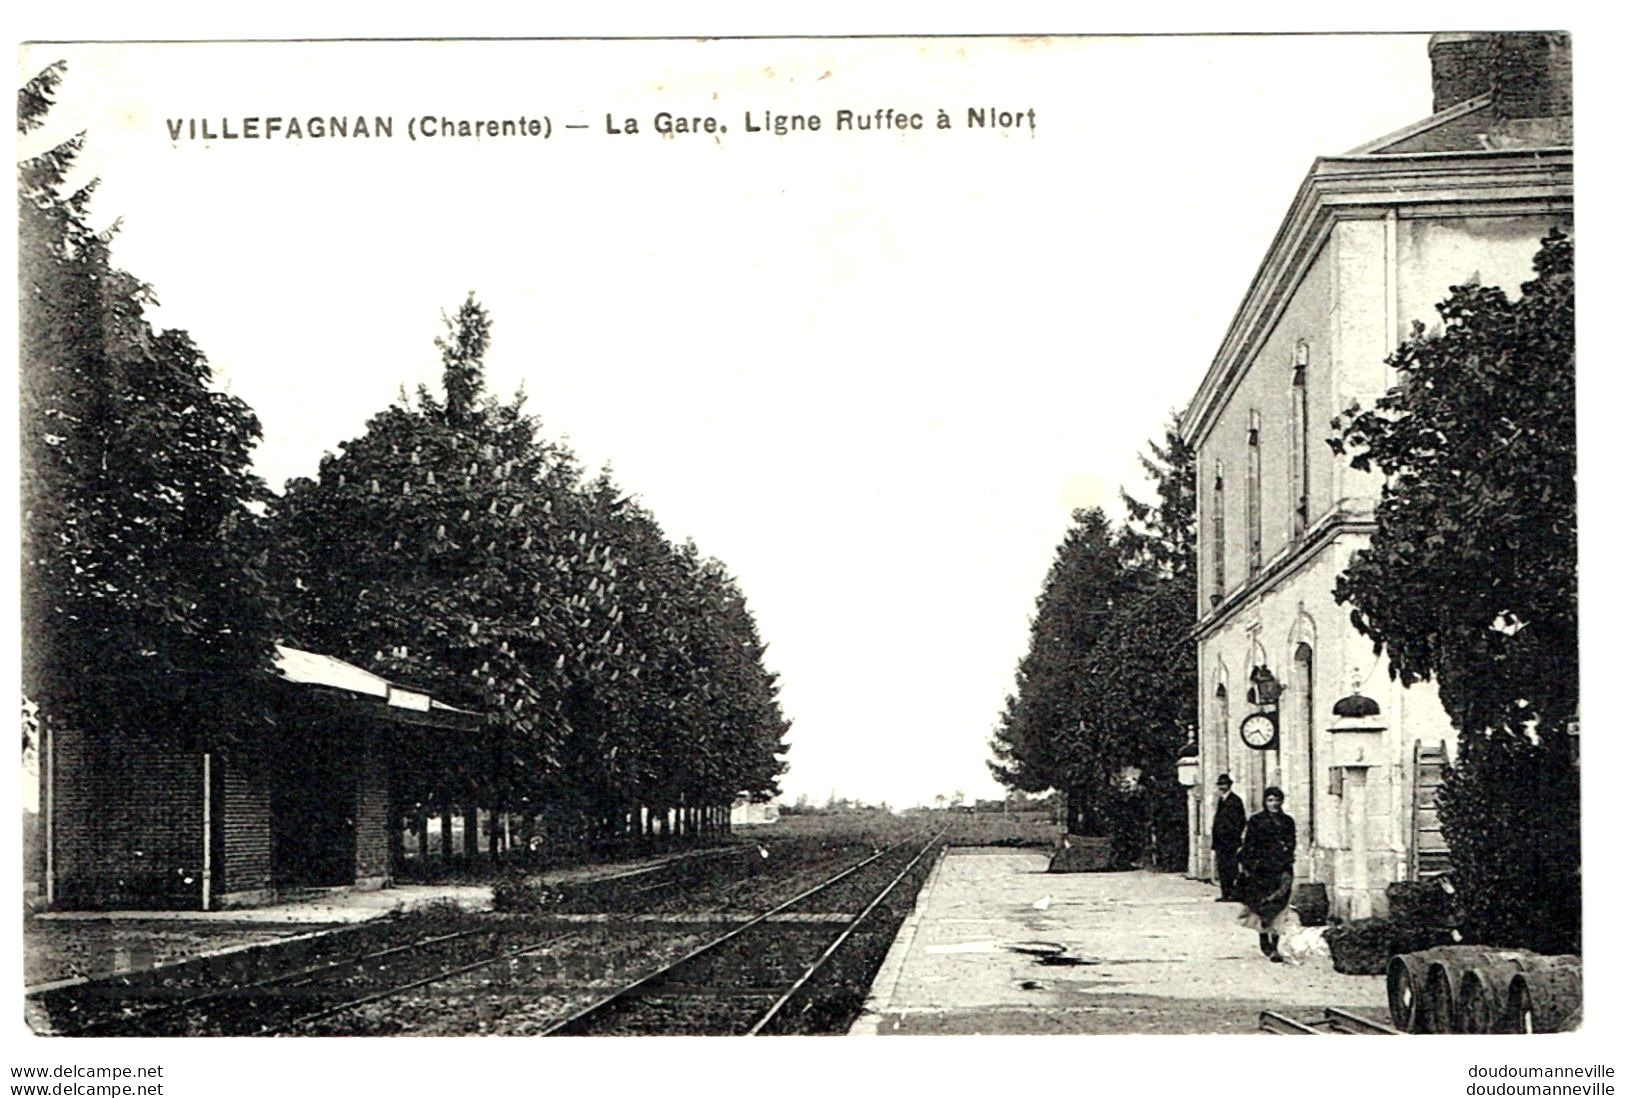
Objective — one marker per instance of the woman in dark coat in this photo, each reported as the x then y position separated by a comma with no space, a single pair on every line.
1267,847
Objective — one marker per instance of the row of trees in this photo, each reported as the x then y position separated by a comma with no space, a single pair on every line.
450,546
1105,695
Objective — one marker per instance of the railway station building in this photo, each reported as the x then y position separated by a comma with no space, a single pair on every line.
1373,241
138,823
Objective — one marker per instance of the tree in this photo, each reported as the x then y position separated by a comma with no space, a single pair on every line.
143,586
1138,684
1108,685
1160,537
419,550
1470,580
1030,745
1139,706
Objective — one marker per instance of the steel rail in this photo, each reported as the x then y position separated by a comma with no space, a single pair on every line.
401,989
772,1012
1345,1022
458,970
700,857
294,978
625,994
168,1008
299,977
1272,1022
1333,1021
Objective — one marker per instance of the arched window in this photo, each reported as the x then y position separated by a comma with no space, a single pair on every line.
1222,734
1303,725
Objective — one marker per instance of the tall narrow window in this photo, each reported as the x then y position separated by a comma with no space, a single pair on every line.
1255,518
1300,441
1217,594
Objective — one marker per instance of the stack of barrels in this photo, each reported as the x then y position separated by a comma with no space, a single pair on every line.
1482,989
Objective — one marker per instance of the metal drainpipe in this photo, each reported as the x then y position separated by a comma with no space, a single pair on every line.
1314,836
1309,737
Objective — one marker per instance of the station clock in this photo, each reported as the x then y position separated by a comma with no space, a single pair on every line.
1258,730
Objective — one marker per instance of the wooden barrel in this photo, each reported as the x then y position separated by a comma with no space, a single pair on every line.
1311,903
1407,987
1481,1001
1438,1007
1543,995
1442,989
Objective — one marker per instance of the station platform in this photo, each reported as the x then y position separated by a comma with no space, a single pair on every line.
328,905
998,945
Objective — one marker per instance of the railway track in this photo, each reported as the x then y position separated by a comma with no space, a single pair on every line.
222,995
775,973
351,1002
648,884
282,1002
1332,1020
342,975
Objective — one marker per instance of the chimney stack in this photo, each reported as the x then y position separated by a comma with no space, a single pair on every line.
1527,73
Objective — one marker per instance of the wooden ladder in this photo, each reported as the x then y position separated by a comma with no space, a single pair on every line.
1430,855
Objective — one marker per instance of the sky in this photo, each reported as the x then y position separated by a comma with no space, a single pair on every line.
871,371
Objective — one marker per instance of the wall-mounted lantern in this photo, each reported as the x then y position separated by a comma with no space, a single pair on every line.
1264,689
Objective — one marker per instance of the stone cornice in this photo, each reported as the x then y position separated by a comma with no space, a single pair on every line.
1491,182
1286,564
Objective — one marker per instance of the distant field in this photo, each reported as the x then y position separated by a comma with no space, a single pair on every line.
874,826
964,828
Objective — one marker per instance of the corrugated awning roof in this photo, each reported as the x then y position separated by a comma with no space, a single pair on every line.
314,669
297,665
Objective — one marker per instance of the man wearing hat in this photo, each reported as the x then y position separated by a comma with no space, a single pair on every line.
1229,821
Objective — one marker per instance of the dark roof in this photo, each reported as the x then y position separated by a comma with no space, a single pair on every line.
1356,705
1472,126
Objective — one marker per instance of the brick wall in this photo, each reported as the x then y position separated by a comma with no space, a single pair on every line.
372,803
1529,75
126,822
127,818
244,830
1536,77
